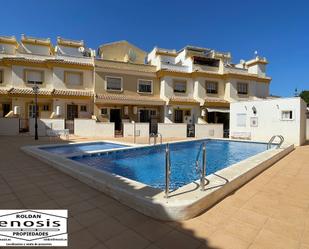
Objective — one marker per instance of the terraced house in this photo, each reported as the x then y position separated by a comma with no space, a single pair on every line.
198,84
64,75
122,83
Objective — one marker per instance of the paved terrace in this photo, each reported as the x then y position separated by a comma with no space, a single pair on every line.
271,211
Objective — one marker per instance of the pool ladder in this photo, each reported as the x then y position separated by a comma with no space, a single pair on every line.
154,136
271,140
199,170
202,170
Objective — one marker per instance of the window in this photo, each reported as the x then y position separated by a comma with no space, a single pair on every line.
144,86
104,111
241,119
211,87
180,86
242,88
73,78
287,115
113,83
153,112
45,108
1,76
34,76
187,112
83,108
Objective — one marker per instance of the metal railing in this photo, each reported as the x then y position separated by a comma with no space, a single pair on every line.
271,140
201,171
167,170
155,136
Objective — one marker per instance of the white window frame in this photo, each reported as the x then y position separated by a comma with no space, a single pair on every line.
113,90
216,83
180,81
241,124
26,71
105,108
81,74
287,119
151,84
242,83
80,108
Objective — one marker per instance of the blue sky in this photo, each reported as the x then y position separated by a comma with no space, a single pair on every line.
278,30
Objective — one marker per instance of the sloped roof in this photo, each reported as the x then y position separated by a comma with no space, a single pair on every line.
128,99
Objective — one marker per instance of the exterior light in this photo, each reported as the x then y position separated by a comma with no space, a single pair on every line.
170,111
254,110
16,110
135,110
58,110
126,110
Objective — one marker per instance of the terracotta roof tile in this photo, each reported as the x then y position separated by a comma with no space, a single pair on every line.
28,91
215,100
183,99
3,90
125,66
48,92
129,99
65,92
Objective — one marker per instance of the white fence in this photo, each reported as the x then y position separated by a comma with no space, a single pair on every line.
9,126
141,129
92,128
209,130
172,130
45,124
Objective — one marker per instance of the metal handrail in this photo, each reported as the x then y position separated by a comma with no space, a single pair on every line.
160,135
152,135
155,136
167,170
271,140
202,171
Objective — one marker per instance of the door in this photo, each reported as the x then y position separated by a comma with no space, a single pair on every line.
115,117
144,116
31,111
178,116
72,112
6,108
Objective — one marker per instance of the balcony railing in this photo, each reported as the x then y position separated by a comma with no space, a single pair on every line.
174,67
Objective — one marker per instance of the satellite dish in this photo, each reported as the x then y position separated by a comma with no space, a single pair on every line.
81,49
132,55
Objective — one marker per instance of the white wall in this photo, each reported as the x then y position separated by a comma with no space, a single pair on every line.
45,124
307,130
91,128
172,130
141,129
209,130
9,126
269,121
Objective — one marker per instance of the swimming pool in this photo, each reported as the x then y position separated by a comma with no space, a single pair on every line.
147,164
81,148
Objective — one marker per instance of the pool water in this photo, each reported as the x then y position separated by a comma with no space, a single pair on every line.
83,148
147,165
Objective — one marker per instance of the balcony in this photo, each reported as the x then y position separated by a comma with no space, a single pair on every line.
173,67
203,68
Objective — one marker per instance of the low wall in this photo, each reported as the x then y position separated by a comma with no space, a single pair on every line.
209,130
172,130
141,129
307,129
9,126
45,124
91,128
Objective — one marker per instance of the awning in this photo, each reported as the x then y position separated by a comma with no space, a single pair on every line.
224,110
